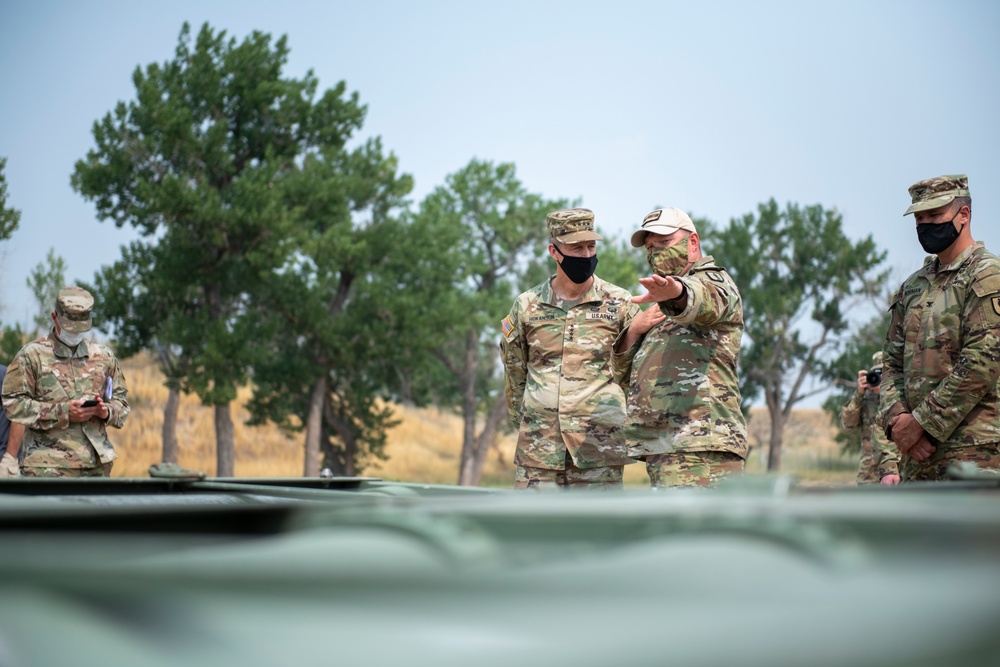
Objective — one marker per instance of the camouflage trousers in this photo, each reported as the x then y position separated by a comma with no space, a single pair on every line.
868,466
691,468
986,456
604,477
67,473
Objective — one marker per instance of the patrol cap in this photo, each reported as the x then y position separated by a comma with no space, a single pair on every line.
877,360
572,225
662,221
936,192
73,306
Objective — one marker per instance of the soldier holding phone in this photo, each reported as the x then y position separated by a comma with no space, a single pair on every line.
65,390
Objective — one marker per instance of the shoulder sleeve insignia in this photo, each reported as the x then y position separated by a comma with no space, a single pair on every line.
506,326
894,299
996,304
986,285
715,276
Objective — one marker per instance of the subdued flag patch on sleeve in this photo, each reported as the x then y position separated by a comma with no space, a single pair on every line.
506,326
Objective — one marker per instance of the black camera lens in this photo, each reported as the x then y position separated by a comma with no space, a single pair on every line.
874,377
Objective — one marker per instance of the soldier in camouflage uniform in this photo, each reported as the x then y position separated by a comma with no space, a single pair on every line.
684,417
47,385
11,434
942,349
556,348
879,458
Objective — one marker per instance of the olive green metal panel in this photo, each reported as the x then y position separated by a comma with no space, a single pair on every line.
245,572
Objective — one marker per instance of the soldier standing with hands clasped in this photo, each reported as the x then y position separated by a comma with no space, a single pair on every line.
66,389
556,347
942,349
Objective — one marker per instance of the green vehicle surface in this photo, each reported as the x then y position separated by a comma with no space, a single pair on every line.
248,572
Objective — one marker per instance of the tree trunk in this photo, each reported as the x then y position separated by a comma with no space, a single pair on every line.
472,468
346,434
225,455
467,380
169,431
314,423
777,429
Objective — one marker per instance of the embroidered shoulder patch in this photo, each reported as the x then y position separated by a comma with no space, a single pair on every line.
715,276
996,304
506,326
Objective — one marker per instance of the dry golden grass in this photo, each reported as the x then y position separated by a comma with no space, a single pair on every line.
424,448
260,451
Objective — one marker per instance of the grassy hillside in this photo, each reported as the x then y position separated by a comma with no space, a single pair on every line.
423,448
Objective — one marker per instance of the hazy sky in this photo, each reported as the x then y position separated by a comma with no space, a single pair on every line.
711,106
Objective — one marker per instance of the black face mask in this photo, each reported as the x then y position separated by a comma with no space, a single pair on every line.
577,269
938,237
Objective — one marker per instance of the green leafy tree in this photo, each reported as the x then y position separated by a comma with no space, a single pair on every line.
798,273
340,293
9,217
483,230
12,338
196,163
842,374
45,281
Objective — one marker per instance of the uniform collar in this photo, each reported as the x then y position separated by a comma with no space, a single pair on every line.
704,260
593,294
61,349
933,264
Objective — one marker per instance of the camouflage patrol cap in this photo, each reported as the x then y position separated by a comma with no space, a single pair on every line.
877,360
662,221
572,225
73,306
938,191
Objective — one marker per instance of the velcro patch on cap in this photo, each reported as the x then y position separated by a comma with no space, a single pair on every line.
655,215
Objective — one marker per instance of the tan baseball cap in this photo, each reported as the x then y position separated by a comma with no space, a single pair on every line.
73,306
662,221
572,225
936,192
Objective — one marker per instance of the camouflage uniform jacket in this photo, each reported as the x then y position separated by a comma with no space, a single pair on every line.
561,394
683,390
883,455
44,376
942,350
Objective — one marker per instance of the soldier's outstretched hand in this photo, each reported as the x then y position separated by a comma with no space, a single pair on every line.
659,288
